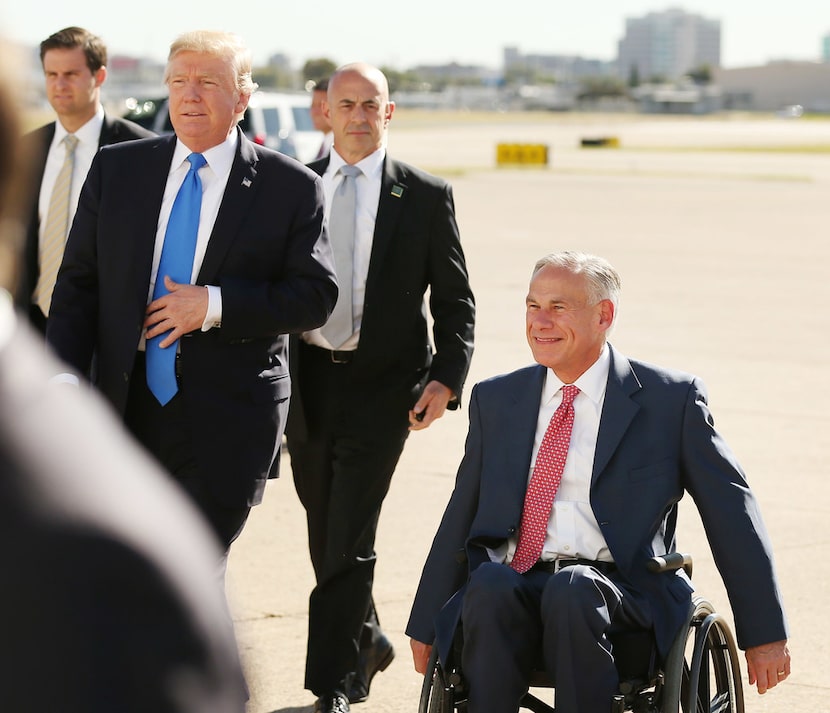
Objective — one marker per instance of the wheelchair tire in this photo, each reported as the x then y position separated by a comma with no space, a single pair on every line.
702,671
436,692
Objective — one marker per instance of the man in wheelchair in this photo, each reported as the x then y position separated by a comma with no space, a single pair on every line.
617,442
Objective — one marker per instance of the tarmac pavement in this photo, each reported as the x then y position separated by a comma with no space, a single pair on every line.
725,262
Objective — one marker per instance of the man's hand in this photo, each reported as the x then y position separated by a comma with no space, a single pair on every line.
420,655
430,406
768,665
180,312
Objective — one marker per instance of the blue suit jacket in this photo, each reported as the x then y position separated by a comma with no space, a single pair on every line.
656,441
269,254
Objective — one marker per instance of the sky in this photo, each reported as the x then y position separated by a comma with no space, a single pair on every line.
404,33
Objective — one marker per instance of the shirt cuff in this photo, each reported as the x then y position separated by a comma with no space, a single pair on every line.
213,318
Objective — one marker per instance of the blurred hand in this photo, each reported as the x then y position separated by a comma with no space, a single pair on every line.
178,313
768,665
430,406
420,655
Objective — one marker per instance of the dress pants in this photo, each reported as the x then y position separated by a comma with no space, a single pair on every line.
342,469
513,623
167,434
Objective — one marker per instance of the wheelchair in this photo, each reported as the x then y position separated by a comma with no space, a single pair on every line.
701,673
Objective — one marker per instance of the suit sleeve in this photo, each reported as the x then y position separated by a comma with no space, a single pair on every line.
734,527
301,293
451,299
446,567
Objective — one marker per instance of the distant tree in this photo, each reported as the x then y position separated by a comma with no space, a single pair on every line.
274,77
407,81
599,87
634,76
701,74
316,69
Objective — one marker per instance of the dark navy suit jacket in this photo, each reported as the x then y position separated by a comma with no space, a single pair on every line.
269,254
656,441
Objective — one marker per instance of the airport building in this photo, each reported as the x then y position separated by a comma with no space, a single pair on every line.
667,45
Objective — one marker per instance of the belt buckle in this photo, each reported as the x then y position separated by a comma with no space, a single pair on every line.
334,360
562,562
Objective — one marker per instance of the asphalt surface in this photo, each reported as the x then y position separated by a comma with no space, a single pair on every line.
724,256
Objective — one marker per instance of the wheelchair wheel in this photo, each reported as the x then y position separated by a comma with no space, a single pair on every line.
437,692
702,671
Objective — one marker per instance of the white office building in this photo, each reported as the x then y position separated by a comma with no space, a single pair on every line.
667,45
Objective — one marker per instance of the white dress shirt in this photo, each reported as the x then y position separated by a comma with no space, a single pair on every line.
573,530
367,196
88,136
214,176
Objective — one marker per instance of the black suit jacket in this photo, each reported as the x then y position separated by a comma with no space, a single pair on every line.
110,601
416,245
36,147
268,253
656,441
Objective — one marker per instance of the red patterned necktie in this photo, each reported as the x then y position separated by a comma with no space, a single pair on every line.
544,482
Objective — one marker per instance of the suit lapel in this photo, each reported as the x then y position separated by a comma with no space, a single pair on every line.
393,196
519,429
236,203
149,190
618,410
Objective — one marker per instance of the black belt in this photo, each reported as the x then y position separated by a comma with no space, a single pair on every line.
334,356
553,566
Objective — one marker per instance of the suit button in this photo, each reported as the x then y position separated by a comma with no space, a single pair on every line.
511,530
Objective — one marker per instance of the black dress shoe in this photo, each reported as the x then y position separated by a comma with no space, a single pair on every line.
334,702
373,659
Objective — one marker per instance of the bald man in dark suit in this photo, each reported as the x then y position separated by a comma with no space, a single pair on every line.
359,395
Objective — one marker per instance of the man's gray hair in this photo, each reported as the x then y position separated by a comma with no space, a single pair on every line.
603,280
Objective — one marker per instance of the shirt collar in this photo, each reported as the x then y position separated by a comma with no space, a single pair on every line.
371,165
219,158
88,134
592,382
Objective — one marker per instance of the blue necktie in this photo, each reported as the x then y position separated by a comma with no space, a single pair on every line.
176,262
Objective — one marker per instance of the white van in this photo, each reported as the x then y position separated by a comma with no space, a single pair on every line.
281,121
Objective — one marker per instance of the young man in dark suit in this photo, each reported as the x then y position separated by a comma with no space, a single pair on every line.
639,437
363,383
258,266
75,67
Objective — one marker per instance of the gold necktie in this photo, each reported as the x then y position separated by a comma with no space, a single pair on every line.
57,225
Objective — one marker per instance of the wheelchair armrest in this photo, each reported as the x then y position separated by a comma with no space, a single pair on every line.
671,562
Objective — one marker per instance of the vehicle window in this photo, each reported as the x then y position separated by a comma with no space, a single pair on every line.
272,121
302,118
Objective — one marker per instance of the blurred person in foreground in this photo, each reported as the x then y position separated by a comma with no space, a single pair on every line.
371,374
191,258
74,65
614,443
318,116
108,600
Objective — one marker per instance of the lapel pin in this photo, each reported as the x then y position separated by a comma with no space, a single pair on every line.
246,182
397,191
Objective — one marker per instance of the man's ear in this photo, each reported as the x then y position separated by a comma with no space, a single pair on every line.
606,314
